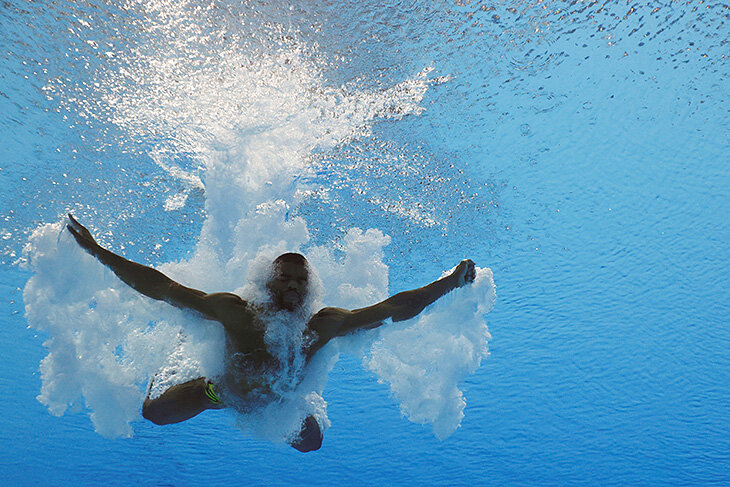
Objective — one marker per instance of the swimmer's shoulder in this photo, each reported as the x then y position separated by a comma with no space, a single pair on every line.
227,306
331,314
328,322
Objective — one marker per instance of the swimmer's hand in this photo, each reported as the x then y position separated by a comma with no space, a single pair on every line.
465,273
81,234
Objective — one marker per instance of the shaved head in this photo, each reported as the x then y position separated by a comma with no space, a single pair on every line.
292,258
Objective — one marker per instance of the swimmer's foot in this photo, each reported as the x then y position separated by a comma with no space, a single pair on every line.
310,436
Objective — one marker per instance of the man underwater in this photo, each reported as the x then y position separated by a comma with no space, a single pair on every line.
245,327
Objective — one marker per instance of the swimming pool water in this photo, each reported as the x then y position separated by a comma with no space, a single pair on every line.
578,149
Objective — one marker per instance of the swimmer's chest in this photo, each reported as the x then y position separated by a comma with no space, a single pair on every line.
247,332
323,326
246,335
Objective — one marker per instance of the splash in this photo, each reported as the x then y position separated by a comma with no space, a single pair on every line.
424,360
252,122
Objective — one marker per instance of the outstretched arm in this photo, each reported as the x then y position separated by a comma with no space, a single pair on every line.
408,304
143,279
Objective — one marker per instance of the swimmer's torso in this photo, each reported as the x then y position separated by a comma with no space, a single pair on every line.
250,364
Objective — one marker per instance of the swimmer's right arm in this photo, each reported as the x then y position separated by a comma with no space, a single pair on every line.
334,322
146,280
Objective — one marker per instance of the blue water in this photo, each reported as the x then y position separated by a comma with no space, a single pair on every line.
578,150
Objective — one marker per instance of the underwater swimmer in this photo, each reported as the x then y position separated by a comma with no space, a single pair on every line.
245,328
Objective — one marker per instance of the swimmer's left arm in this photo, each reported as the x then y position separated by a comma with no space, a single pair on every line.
407,304
148,281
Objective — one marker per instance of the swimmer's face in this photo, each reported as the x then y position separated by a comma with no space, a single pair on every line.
289,285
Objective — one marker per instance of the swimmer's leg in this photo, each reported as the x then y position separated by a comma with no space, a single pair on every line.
310,436
181,402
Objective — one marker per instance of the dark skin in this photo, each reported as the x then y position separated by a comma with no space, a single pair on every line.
243,324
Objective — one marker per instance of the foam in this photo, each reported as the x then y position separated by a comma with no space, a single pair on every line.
424,359
252,124
106,342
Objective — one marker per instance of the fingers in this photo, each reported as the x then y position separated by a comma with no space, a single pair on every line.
73,227
80,233
470,271
78,229
77,236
